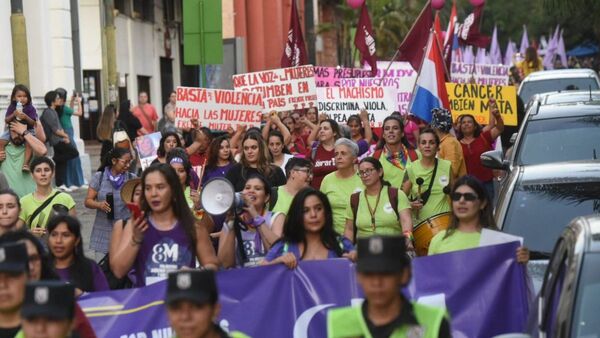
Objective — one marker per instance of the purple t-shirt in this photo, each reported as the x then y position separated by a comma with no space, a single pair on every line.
28,110
280,248
100,283
216,172
162,252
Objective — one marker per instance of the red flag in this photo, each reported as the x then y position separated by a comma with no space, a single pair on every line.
468,32
437,26
364,41
448,41
413,46
294,52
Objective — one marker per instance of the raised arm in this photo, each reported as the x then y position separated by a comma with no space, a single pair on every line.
39,149
314,130
364,118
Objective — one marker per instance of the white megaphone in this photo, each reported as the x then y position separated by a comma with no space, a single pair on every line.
218,196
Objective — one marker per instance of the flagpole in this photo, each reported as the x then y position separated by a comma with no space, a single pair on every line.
412,98
389,66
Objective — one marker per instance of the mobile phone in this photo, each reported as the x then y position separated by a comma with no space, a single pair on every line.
135,210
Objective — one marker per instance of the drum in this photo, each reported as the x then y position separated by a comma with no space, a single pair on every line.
424,231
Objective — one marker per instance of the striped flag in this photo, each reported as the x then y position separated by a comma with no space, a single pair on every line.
430,88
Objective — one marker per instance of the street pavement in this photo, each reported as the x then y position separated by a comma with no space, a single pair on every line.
86,216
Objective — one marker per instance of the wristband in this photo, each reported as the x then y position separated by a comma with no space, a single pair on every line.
134,241
409,235
258,221
229,225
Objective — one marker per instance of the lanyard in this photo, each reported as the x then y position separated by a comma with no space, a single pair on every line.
372,211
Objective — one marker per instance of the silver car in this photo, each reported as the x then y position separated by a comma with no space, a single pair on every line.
558,80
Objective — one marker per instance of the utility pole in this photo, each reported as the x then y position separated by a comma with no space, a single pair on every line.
109,52
19,43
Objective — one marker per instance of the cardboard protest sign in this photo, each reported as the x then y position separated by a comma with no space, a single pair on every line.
282,89
147,146
400,76
217,108
341,102
480,74
474,99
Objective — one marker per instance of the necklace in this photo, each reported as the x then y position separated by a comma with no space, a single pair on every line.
372,211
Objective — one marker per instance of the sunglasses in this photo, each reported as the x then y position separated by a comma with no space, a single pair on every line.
468,196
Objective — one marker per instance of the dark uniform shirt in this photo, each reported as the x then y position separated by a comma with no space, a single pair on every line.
406,317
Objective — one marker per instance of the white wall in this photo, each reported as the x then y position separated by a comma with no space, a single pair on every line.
90,34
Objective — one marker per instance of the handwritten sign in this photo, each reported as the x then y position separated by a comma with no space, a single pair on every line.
479,74
474,99
217,109
281,89
147,146
400,76
341,102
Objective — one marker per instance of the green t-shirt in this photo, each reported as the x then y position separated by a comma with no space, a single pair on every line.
284,200
386,222
457,241
438,202
19,181
393,174
338,191
65,117
29,204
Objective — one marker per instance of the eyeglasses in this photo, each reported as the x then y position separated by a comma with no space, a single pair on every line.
304,170
468,196
366,172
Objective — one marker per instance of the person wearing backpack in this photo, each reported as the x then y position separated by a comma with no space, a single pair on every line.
393,151
379,209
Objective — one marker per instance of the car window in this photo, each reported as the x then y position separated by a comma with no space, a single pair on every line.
560,139
531,88
552,294
540,212
587,304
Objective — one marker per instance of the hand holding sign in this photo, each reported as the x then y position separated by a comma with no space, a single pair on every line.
364,116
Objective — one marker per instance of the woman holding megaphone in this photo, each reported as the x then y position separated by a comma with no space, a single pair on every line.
246,236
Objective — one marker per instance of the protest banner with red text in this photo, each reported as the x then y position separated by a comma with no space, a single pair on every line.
474,99
479,74
217,109
341,102
282,89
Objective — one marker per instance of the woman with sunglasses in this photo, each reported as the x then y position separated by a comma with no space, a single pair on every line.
374,213
426,180
472,212
105,186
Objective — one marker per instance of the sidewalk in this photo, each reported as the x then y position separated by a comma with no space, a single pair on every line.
86,216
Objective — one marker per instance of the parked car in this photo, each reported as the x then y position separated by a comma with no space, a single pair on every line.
537,201
558,80
569,303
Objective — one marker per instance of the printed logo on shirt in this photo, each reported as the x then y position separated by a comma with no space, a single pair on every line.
325,163
444,180
387,208
167,255
163,253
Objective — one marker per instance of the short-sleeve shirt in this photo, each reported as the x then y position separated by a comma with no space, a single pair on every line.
147,116
280,248
20,181
29,205
457,241
162,252
386,222
338,191
65,117
284,200
393,174
51,124
472,153
438,201
324,163
252,243
100,283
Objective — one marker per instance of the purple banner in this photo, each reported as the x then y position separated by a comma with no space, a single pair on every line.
475,285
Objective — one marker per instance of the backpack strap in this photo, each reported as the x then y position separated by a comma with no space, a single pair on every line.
377,153
412,154
393,197
354,199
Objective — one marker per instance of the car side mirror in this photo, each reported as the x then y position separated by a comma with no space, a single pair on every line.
513,138
493,160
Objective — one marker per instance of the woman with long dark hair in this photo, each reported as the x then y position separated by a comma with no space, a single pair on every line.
472,215
168,141
322,151
66,250
531,63
246,237
308,232
105,186
255,160
220,159
360,131
166,237
104,129
129,121
476,140
374,213
178,159
393,151
279,152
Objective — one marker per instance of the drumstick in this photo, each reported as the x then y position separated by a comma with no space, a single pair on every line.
420,182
